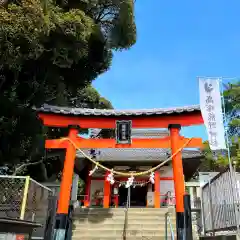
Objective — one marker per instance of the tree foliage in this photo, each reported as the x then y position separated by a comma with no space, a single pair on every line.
232,106
216,161
31,149
50,52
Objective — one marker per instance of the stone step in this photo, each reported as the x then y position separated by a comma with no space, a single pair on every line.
119,217
99,219
116,226
119,233
108,224
115,210
101,222
118,214
119,209
121,238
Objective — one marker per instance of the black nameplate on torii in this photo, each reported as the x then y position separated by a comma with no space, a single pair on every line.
124,132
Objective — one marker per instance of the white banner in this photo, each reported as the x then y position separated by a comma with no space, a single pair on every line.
211,108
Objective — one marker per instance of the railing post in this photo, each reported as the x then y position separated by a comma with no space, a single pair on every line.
166,227
203,214
187,218
129,197
24,200
211,207
52,209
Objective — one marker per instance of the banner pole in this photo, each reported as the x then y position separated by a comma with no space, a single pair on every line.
232,172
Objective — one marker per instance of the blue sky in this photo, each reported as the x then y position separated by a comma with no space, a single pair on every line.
177,41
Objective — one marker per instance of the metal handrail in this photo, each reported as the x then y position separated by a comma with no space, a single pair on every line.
168,223
126,214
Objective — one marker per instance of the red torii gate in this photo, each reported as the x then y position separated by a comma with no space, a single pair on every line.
74,119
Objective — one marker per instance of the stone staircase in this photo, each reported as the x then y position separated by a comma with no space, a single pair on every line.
112,224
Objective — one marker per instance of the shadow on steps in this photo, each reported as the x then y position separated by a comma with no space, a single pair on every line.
93,215
229,237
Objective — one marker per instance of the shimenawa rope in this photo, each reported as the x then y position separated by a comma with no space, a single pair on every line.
123,173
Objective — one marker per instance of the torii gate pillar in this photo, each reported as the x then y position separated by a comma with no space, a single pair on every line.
178,176
66,184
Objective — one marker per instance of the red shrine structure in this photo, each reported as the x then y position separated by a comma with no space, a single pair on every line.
75,119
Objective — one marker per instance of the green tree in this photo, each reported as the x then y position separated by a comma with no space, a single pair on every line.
232,106
50,52
34,156
219,160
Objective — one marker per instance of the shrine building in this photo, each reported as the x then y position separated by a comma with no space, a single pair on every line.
133,160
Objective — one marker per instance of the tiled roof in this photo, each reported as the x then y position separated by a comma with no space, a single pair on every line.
151,154
149,133
111,112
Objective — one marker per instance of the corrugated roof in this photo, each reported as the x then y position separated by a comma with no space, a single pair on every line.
111,112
